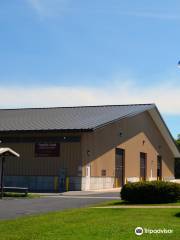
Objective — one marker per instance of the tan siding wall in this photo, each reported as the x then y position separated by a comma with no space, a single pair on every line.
102,144
132,148
28,164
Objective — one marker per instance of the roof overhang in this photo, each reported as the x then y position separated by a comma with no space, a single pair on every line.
157,118
8,152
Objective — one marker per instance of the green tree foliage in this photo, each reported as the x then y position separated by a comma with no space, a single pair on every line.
178,141
177,161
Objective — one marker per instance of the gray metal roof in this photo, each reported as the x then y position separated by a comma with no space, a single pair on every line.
66,118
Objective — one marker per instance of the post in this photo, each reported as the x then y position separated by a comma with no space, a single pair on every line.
2,176
67,184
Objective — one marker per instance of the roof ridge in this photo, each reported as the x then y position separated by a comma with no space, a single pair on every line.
83,106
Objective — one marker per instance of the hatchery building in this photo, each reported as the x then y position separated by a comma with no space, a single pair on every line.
86,148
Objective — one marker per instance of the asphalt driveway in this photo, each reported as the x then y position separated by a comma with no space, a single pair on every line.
13,208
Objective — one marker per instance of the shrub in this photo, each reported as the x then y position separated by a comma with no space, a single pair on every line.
151,192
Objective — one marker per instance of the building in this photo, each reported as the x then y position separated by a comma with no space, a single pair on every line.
84,148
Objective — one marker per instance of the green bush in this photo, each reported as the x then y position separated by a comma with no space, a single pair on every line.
151,192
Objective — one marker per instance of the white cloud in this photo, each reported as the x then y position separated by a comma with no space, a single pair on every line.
51,8
166,96
48,8
36,4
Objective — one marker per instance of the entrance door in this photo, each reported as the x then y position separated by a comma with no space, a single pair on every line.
143,163
88,177
159,168
119,167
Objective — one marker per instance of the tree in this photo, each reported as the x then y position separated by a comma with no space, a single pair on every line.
178,141
177,161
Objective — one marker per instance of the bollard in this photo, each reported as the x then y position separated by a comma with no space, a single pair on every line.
67,184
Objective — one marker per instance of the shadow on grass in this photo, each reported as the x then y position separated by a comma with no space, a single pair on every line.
177,215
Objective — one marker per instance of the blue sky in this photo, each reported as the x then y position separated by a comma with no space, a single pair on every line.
64,52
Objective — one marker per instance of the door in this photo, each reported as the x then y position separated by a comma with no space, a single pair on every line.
119,167
143,164
159,168
88,177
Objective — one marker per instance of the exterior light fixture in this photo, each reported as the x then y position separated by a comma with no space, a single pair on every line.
88,152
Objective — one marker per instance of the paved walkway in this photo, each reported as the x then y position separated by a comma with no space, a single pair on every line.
84,193
13,208
140,206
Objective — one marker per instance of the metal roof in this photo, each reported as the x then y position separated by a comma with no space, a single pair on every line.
66,118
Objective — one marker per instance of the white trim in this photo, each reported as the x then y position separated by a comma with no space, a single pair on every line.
164,131
88,177
8,150
133,179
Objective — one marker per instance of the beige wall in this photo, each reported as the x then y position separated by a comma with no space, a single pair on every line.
135,131
101,145
28,164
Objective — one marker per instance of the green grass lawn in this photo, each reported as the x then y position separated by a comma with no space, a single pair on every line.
92,224
121,203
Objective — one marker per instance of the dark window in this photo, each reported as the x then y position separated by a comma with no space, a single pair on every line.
103,172
177,168
159,167
119,166
143,163
47,149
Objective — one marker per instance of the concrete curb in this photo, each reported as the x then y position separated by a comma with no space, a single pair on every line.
82,193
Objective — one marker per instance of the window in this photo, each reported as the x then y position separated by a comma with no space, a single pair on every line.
159,167
119,167
103,172
143,163
47,149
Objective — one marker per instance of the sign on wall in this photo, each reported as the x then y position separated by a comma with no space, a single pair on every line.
47,149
